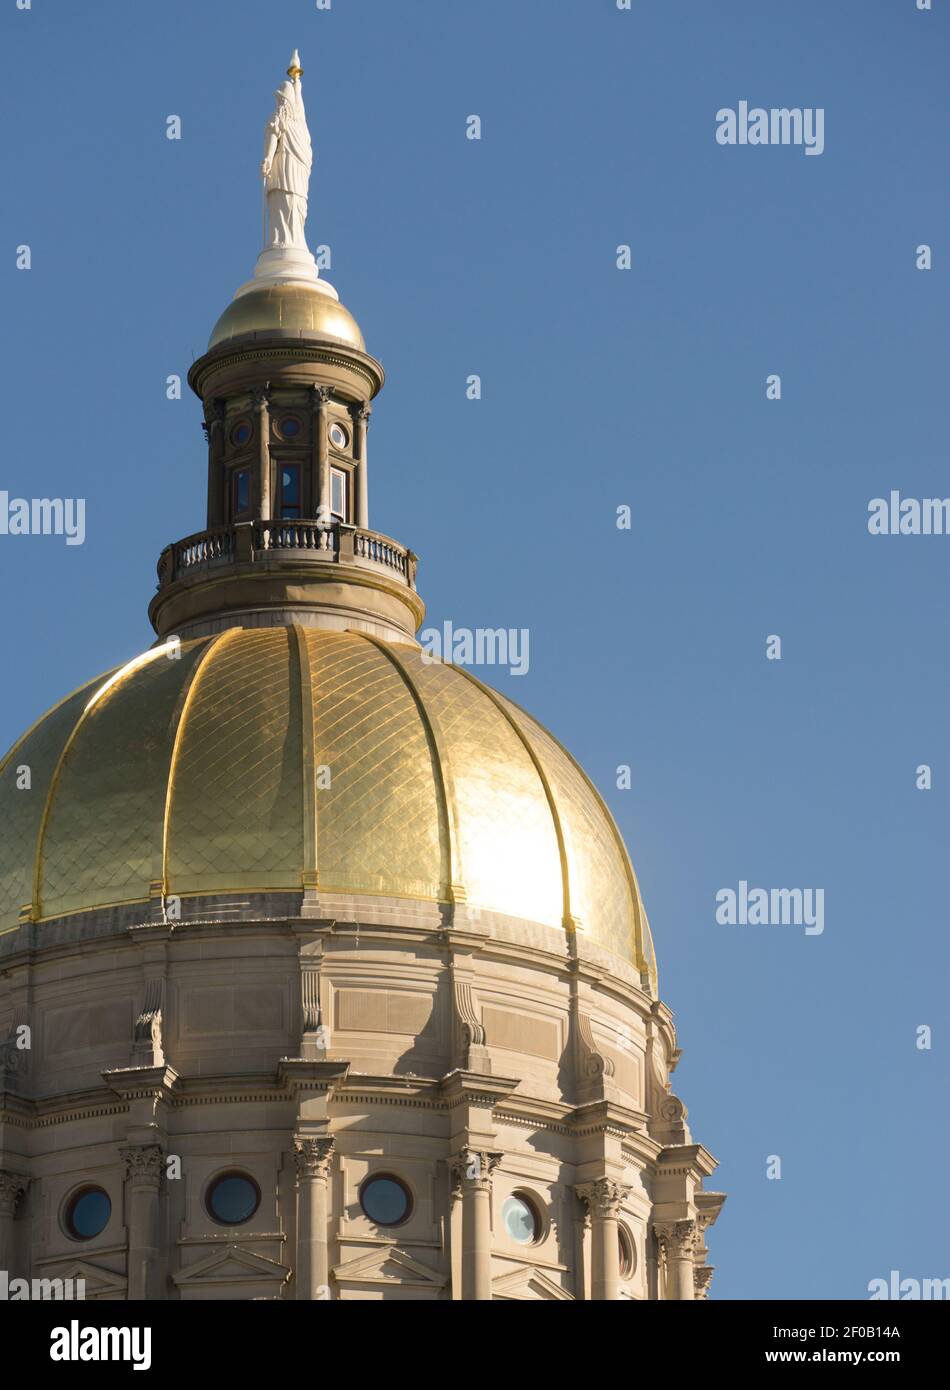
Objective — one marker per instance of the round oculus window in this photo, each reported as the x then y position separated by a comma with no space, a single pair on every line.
385,1201
233,1198
290,426
88,1213
338,436
241,433
520,1220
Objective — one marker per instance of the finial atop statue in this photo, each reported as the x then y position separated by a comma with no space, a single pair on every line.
285,169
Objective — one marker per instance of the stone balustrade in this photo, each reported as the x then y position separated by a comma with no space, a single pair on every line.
251,541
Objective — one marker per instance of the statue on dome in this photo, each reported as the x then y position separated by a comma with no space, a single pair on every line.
286,165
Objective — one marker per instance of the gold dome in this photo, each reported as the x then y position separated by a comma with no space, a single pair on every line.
291,307
199,773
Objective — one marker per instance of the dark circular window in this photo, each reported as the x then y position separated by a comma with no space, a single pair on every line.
386,1201
88,1213
521,1221
241,433
233,1198
338,436
290,426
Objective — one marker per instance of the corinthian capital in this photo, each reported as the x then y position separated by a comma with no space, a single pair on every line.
677,1238
144,1164
472,1170
603,1198
312,1156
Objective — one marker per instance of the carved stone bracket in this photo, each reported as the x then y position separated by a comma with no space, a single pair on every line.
147,1037
471,1029
594,1065
13,1186
14,1056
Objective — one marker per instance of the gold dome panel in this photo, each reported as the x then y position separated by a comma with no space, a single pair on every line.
293,308
268,759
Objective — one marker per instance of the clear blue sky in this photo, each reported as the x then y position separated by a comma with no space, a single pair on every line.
601,387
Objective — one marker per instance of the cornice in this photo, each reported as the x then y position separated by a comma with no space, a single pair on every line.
296,350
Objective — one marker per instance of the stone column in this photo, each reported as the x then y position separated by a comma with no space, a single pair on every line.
262,502
677,1241
472,1171
360,416
320,452
12,1188
604,1197
214,433
312,1154
144,1171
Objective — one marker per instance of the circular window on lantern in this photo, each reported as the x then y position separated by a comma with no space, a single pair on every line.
87,1213
338,436
232,1199
521,1220
628,1254
241,433
386,1200
289,427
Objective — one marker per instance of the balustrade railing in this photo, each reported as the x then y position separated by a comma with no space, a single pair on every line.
244,543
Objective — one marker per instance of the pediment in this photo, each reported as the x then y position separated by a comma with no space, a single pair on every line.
100,1282
388,1265
231,1264
528,1285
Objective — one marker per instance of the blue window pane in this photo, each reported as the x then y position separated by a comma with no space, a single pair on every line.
89,1214
289,427
290,486
519,1220
233,1199
385,1201
242,491
240,434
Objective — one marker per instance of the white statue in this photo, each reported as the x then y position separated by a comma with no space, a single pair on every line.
285,259
286,165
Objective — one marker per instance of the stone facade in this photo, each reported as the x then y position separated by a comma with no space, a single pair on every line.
469,1056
